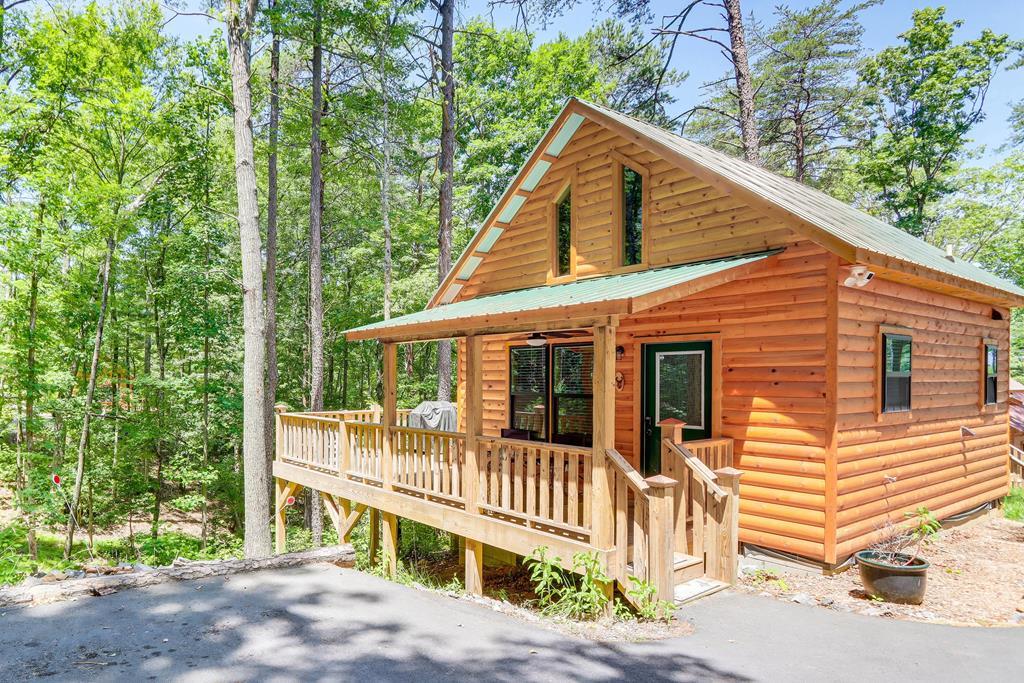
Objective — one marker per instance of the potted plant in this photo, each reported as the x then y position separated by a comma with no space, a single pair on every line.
892,568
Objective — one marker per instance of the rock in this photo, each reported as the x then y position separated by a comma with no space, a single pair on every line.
927,615
803,599
140,567
826,602
75,574
1017,618
54,576
31,581
873,611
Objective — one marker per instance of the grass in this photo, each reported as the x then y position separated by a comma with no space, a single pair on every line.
16,564
1013,504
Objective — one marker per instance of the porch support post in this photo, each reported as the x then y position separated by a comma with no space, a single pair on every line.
474,559
390,413
281,487
661,524
374,530
474,424
729,525
603,511
390,534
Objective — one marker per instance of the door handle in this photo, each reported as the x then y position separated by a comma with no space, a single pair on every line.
649,426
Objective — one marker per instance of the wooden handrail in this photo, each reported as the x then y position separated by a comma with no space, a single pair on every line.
701,470
525,443
633,478
311,417
1017,455
428,432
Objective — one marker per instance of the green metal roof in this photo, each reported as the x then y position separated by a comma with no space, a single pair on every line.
847,223
592,290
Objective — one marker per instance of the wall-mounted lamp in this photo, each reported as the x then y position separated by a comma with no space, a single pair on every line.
620,352
537,339
858,277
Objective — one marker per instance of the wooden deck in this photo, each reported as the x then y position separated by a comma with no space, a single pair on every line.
517,495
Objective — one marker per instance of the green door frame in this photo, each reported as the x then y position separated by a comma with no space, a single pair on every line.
650,440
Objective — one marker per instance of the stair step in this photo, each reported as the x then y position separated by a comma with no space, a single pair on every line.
687,567
694,589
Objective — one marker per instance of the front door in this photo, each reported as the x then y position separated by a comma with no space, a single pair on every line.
676,384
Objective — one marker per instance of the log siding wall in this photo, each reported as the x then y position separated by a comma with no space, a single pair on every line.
799,377
890,463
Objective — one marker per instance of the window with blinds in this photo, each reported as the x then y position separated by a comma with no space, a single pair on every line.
572,395
896,371
529,390
557,376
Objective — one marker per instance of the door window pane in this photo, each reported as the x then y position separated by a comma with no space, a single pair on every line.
680,387
632,217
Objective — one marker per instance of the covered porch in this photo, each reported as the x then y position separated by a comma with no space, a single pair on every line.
519,494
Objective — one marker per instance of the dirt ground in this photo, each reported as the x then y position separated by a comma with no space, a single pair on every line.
975,579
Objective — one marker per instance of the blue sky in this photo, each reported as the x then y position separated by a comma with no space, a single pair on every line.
882,25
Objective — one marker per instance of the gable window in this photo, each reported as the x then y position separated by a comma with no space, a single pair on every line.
559,376
896,371
563,234
632,217
991,372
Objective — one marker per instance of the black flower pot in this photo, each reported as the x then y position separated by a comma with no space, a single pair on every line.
899,578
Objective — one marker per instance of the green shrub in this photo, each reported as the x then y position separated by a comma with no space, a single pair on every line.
645,603
1013,504
580,594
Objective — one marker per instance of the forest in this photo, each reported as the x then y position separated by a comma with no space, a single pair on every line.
190,225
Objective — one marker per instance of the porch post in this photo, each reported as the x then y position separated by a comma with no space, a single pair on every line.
388,419
474,421
473,550
603,512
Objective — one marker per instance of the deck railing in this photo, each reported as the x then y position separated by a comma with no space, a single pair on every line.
690,509
428,462
1016,466
541,485
709,501
371,415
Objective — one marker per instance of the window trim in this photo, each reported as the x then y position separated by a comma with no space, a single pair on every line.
883,333
619,161
570,185
983,401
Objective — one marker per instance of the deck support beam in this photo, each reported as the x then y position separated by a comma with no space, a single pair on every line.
389,417
390,538
282,489
374,543
473,556
602,531
474,421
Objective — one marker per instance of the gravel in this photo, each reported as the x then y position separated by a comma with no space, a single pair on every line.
975,579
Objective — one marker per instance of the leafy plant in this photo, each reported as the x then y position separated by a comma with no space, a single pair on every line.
646,604
896,543
580,594
1013,504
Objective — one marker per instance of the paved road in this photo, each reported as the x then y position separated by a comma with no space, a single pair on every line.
324,623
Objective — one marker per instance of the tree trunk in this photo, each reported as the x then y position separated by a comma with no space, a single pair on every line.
239,20
90,393
271,274
744,87
446,164
316,278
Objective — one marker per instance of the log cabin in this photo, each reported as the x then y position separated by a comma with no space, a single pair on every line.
666,353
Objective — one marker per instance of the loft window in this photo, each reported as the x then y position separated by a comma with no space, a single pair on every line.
557,376
632,217
991,372
563,234
528,391
896,369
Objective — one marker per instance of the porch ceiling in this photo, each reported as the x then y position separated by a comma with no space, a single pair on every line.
568,305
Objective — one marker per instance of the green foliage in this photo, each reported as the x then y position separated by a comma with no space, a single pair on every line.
645,604
922,98
167,547
579,594
1013,504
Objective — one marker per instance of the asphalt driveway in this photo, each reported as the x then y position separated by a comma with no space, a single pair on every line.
324,623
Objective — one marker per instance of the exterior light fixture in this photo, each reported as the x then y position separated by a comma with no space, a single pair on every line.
858,277
536,339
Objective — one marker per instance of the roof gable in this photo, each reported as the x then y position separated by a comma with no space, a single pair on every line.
849,232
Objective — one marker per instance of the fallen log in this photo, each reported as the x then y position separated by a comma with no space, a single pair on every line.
181,570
